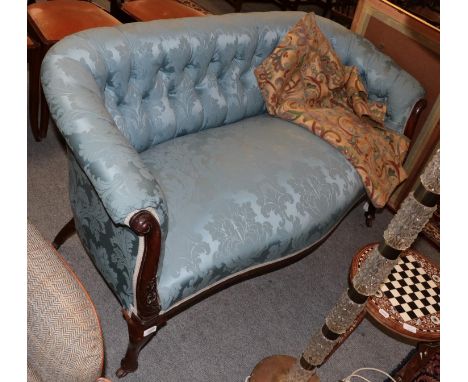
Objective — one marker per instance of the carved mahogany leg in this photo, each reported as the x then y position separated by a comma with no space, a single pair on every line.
144,224
34,61
67,230
136,341
370,214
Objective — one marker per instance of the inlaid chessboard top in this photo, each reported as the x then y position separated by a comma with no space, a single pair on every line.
408,302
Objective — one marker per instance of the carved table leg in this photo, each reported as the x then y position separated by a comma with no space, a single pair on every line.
136,341
67,230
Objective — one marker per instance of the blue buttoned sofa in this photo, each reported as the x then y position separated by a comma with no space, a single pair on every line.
180,183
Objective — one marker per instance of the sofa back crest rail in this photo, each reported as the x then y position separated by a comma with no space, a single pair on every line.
180,183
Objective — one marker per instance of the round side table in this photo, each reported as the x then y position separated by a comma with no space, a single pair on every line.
408,305
408,302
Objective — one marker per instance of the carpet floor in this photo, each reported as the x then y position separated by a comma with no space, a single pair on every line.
222,338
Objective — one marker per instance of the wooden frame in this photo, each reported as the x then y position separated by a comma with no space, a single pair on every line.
426,38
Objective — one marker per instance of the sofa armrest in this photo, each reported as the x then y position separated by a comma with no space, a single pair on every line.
384,79
111,163
410,128
386,82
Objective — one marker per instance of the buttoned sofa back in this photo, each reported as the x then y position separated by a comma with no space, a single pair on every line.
168,78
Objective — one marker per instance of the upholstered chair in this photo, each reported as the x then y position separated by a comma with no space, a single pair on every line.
64,333
147,10
49,22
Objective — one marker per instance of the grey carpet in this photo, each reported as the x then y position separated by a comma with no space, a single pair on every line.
223,337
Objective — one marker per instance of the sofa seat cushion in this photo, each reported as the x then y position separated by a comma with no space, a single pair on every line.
243,195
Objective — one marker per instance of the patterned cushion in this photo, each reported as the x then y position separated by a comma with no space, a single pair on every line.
64,334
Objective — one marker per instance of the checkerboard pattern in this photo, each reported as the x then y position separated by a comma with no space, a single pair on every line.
411,291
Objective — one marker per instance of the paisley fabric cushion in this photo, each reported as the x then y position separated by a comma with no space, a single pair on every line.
242,195
303,81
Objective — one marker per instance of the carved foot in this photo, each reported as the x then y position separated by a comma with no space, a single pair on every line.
138,336
129,363
120,373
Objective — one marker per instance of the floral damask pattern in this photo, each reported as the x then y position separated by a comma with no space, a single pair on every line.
242,195
112,248
304,81
237,226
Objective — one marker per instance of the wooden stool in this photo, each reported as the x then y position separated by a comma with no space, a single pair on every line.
147,10
33,79
49,22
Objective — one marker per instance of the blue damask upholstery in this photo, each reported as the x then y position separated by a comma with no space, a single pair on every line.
243,195
137,105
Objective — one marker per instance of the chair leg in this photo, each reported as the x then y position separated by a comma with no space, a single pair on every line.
67,230
136,341
45,113
34,68
370,214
